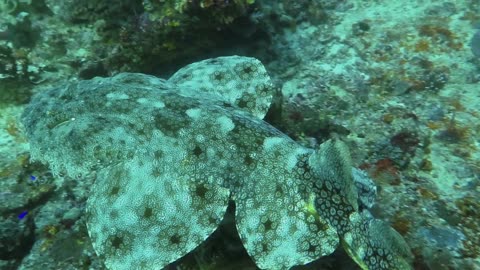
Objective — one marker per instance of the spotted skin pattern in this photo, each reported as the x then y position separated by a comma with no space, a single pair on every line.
169,155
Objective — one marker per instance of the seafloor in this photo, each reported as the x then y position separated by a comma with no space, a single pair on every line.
397,80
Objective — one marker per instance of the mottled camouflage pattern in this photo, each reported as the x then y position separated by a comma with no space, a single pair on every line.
170,154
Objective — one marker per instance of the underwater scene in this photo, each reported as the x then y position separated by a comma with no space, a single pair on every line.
239,135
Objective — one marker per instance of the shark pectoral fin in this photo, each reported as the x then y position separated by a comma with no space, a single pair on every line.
373,245
282,231
138,221
333,165
236,80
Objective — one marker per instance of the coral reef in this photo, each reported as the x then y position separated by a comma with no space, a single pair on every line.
140,35
395,80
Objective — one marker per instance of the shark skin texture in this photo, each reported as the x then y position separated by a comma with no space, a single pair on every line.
169,155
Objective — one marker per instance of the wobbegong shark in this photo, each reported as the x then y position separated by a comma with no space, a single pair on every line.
169,155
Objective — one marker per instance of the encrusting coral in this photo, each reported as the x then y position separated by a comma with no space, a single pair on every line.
170,154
